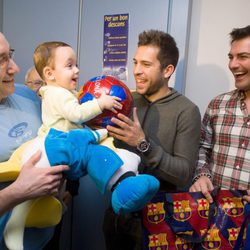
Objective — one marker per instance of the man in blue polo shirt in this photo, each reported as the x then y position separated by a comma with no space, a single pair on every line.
20,119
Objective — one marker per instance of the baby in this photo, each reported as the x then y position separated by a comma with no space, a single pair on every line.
56,63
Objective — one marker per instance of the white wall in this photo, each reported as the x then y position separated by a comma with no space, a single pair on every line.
207,71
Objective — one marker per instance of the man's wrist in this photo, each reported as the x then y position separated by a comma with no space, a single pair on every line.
200,175
143,145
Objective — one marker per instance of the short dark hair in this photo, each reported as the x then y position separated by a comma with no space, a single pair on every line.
44,55
239,33
168,53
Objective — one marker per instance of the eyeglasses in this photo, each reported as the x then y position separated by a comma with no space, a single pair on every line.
37,83
5,58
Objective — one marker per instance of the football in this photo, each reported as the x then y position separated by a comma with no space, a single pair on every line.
112,86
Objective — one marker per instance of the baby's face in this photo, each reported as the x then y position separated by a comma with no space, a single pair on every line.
65,72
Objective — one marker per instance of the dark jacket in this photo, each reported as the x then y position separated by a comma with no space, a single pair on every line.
172,126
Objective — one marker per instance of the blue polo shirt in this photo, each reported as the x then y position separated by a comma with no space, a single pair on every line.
20,117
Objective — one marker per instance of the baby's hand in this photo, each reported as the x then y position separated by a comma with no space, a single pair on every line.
109,102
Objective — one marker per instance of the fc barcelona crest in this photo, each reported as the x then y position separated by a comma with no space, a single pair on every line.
212,240
233,206
158,242
182,210
156,212
182,244
203,208
233,235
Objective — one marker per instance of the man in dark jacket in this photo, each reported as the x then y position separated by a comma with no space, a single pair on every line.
164,131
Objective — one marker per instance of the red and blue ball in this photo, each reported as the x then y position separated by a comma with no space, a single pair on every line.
112,86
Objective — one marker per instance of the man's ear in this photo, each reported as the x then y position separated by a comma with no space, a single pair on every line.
168,71
48,73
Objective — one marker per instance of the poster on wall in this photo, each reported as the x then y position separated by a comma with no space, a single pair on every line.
115,46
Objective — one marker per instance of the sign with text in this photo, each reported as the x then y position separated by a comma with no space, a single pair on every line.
115,45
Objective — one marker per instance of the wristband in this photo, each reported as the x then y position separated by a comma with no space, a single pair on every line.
200,175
